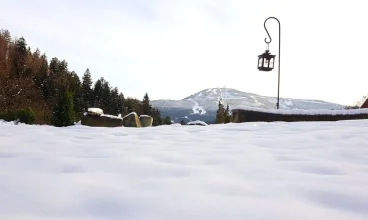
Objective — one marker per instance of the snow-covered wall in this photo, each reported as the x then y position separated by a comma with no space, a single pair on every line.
251,114
302,111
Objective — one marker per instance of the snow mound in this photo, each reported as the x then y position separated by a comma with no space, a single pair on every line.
3,122
197,122
252,171
111,116
132,113
97,111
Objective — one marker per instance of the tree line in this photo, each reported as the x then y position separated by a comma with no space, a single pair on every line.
223,114
36,90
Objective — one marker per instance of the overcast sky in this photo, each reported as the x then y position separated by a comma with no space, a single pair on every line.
174,48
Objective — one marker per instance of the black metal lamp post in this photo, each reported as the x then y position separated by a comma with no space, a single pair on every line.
266,60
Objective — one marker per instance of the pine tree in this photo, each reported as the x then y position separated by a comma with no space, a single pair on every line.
146,106
97,92
18,57
105,102
57,82
129,105
41,75
121,105
227,117
114,102
87,92
54,66
63,114
75,87
167,120
220,113
157,120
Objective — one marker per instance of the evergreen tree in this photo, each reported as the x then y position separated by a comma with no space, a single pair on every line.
121,105
63,67
227,117
58,77
87,92
105,102
63,114
220,113
129,105
115,102
31,62
167,120
41,75
5,42
75,87
54,66
97,92
18,57
157,120
146,106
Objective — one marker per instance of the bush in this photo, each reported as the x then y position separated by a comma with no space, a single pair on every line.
9,116
26,116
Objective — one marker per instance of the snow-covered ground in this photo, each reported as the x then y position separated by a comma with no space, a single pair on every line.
270,171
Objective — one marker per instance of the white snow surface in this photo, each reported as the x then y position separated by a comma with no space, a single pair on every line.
305,112
196,122
95,110
253,171
132,113
111,116
197,109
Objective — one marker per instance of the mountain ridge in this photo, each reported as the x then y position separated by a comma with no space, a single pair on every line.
203,104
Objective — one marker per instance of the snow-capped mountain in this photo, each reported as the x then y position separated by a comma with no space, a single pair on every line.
203,105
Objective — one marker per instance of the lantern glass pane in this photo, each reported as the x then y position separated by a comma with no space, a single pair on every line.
266,63
271,63
260,62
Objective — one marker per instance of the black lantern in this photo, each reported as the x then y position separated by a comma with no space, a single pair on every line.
266,61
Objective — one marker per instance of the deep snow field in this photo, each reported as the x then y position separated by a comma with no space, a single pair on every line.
249,171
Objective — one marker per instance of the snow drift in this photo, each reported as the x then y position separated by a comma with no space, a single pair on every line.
278,171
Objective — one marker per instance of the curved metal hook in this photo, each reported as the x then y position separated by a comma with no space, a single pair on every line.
267,42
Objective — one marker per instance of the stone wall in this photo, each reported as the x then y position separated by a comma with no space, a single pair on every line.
239,115
101,121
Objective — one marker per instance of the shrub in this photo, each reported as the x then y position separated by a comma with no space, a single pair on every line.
63,114
9,116
26,116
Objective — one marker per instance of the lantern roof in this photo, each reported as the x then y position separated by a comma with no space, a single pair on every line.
267,54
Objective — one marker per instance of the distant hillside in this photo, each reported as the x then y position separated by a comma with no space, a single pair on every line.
203,105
